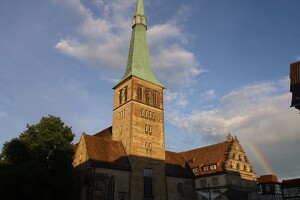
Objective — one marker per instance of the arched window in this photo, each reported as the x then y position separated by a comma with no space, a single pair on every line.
238,166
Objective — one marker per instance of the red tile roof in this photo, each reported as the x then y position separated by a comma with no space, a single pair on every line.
291,183
106,133
215,154
106,153
270,178
177,166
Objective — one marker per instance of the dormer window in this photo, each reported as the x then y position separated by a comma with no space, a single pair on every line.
195,170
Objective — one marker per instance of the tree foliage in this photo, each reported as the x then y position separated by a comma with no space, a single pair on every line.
38,164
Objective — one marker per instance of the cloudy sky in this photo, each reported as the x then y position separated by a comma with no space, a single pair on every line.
225,66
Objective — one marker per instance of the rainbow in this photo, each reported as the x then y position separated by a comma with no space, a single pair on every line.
261,158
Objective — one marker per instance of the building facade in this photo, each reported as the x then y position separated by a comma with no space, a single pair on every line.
269,187
129,160
291,189
295,84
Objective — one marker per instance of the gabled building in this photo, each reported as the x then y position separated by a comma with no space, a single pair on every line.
222,171
269,187
291,189
128,161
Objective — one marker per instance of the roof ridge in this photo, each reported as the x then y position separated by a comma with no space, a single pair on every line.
204,147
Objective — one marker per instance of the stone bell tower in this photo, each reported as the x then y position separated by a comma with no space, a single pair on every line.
138,116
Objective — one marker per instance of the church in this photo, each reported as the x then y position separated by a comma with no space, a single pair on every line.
128,161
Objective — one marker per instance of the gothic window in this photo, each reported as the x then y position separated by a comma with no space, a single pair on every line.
154,98
120,96
148,184
147,96
125,93
140,93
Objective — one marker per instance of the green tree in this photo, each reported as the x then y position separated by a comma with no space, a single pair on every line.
38,164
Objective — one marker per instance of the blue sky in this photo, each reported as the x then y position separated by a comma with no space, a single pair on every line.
225,66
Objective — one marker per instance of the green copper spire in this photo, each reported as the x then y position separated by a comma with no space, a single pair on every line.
139,10
138,63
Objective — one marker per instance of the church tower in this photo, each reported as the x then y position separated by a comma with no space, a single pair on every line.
138,116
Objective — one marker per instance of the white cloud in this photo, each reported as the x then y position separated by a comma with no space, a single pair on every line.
257,113
177,97
104,40
246,110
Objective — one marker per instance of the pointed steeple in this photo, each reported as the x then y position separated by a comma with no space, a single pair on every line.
138,63
139,10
